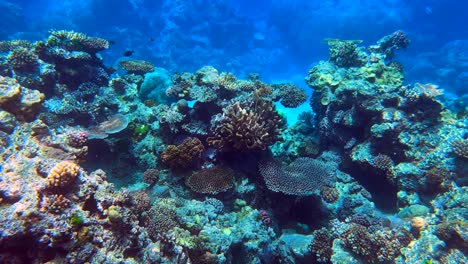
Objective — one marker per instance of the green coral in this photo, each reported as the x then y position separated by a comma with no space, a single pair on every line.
76,220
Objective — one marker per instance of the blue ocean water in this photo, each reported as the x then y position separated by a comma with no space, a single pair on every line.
208,131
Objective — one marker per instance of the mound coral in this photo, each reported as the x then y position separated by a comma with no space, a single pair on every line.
136,66
63,174
24,103
303,176
184,155
255,125
212,180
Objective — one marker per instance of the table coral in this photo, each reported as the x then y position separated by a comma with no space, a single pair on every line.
136,66
212,180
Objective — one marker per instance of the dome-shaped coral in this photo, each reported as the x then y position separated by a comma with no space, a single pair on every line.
63,174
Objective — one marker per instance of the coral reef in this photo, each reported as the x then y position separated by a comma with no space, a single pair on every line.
374,174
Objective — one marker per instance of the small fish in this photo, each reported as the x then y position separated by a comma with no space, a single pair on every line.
112,42
128,53
151,39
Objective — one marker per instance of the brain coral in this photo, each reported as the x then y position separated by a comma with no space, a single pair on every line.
184,155
63,174
212,180
255,125
302,177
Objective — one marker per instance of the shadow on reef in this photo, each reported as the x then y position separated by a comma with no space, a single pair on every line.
207,171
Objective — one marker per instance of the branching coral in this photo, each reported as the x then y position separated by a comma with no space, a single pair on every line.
22,59
256,125
212,180
63,174
136,66
184,155
303,176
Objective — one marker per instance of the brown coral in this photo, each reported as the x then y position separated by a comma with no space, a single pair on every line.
136,66
184,155
212,180
63,174
255,125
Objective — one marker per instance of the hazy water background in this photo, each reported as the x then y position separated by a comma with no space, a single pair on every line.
278,39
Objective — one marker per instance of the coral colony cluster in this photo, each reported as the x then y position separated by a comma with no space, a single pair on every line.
148,167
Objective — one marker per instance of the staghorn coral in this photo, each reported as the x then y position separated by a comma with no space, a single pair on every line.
184,155
256,125
136,66
212,180
63,174
302,177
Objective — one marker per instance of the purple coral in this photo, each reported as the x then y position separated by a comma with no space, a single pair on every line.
302,177
77,139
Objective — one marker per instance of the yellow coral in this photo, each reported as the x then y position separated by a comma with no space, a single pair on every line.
63,174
